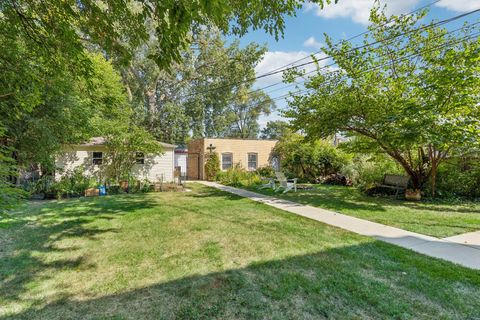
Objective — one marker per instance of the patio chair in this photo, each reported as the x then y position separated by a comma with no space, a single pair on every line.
285,184
268,183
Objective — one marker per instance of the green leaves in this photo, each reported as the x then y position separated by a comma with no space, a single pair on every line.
417,89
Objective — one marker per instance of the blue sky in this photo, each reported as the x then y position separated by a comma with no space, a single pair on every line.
304,33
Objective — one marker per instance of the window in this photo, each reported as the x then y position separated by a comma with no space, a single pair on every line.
139,158
97,157
227,161
252,161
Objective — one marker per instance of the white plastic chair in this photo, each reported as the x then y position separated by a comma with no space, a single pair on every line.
285,184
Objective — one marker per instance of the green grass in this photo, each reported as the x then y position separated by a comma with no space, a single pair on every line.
208,254
439,219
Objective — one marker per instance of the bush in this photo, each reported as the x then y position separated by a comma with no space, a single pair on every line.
266,172
310,161
238,177
457,178
212,166
72,184
139,186
367,170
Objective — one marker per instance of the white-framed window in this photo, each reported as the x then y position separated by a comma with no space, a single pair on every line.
97,157
252,161
139,158
227,161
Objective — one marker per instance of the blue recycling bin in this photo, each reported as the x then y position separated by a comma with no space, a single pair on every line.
102,190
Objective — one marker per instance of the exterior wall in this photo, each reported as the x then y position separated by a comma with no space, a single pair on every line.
239,148
154,168
75,157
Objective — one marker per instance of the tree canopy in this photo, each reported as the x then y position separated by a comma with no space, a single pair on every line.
275,130
209,93
414,94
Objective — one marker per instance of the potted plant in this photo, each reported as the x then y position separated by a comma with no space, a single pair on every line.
413,194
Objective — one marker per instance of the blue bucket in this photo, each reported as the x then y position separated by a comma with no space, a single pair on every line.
102,190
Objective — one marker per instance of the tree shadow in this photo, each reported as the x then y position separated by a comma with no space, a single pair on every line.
36,232
444,207
370,280
338,198
330,198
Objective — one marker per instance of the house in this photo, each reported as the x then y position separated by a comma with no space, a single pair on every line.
246,153
91,156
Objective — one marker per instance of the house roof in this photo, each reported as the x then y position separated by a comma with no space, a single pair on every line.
99,141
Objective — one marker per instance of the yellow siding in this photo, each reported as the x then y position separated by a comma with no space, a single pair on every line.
239,148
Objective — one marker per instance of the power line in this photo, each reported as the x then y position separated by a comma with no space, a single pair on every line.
359,35
422,28
457,41
332,64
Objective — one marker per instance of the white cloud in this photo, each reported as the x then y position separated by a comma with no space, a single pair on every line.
273,60
312,43
359,10
459,5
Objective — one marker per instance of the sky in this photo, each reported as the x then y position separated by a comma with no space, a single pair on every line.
304,34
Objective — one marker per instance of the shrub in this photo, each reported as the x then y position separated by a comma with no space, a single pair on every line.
367,170
238,177
72,184
212,166
266,172
139,186
459,178
310,161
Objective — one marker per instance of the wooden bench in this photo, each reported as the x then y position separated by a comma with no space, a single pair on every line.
395,182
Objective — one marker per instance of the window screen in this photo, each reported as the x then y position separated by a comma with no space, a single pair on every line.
227,161
97,157
139,158
252,161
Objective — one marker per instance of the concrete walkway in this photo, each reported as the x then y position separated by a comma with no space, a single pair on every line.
471,239
453,251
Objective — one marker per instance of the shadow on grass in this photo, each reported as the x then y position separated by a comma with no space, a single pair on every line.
35,232
335,197
372,280
328,197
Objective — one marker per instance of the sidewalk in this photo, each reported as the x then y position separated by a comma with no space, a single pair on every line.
453,251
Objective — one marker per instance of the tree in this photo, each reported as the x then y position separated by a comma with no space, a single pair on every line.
212,166
71,110
124,145
120,26
275,130
310,160
208,93
245,112
414,95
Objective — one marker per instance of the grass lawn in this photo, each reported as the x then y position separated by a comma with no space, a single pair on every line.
438,219
208,254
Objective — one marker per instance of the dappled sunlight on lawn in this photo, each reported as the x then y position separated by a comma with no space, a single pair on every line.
439,218
211,254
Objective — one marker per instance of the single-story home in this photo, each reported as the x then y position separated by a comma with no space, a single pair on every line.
91,155
246,153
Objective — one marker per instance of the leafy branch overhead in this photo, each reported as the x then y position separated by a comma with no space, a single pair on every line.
119,26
